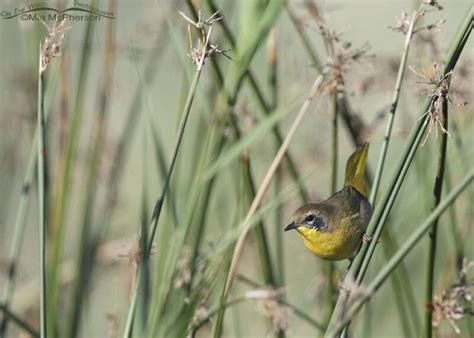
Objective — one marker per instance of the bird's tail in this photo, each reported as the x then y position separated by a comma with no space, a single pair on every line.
355,169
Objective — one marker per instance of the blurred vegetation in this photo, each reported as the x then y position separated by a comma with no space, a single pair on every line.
167,175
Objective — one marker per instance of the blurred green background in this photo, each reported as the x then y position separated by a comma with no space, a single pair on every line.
155,28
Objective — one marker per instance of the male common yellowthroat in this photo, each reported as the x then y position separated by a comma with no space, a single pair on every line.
333,228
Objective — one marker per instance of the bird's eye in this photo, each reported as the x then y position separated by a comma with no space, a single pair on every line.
316,222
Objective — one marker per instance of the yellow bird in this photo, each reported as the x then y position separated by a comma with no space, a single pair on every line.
333,229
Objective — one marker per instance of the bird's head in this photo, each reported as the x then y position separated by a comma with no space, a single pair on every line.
310,216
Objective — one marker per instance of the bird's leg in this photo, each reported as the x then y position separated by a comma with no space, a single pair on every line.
366,239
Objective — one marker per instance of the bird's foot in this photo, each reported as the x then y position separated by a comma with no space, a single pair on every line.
366,238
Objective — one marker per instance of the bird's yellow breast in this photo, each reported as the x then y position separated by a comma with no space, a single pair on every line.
338,244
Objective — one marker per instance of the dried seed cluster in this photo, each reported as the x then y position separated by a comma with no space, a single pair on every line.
405,21
456,301
52,44
204,48
341,55
439,95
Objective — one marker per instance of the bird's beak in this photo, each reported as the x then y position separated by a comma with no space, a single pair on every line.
291,226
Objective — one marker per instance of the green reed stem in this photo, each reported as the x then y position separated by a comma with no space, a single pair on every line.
454,230
404,250
162,167
393,109
42,198
389,198
179,138
438,187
